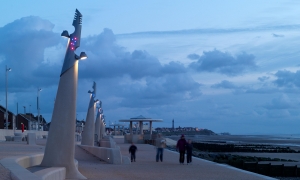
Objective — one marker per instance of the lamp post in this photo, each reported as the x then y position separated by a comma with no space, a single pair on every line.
38,107
30,117
6,113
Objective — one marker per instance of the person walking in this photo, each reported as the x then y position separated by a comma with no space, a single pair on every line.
181,146
189,151
22,127
160,145
132,150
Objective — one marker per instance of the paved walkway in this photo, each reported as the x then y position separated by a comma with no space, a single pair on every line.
145,167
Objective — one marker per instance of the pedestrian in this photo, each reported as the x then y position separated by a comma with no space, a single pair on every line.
160,145
189,151
22,127
181,146
132,150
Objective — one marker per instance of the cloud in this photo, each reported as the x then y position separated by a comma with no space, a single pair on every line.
277,35
22,48
169,89
287,79
108,60
224,63
282,102
263,78
193,56
225,85
212,30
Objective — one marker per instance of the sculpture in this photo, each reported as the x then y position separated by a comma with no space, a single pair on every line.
60,147
89,127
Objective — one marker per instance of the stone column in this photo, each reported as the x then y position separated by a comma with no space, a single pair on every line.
130,127
89,128
97,126
141,127
150,129
59,150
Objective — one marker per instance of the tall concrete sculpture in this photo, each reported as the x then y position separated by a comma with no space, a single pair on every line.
97,124
60,147
102,127
89,127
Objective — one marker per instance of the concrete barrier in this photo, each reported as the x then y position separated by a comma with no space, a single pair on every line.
17,167
18,137
31,138
135,138
9,138
109,143
53,173
109,155
9,132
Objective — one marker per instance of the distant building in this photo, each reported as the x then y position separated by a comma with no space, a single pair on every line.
11,118
28,119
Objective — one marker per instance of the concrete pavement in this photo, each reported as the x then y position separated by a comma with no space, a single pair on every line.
145,167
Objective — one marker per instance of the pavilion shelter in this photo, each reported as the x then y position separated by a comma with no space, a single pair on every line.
138,138
117,131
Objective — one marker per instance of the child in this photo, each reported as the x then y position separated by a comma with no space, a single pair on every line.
132,150
189,150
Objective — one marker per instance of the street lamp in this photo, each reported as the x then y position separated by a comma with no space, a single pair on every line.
6,113
30,116
38,107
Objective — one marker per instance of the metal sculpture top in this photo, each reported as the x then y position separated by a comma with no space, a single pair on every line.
73,43
94,91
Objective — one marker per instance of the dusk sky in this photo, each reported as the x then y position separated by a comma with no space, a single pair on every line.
228,66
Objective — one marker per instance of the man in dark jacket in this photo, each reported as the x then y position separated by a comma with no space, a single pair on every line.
181,146
189,151
132,150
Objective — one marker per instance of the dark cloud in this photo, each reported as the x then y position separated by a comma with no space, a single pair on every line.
107,60
263,78
224,63
277,35
193,56
287,79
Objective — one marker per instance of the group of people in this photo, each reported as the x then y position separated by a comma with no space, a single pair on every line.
182,146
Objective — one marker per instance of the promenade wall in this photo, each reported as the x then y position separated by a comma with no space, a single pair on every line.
9,132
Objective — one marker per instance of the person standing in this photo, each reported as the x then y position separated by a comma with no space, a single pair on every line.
189,151
181,146
22,127
132,150
160,145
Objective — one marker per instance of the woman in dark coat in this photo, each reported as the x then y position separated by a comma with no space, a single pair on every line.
181,146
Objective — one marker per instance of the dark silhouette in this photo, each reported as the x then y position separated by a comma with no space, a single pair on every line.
132,150
189,151
181,146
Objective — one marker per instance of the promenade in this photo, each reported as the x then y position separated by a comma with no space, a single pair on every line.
145,167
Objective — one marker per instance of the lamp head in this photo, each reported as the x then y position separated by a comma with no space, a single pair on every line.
65,34
83,55
8,69
73,44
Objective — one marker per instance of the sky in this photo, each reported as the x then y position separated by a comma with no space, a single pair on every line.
228,66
